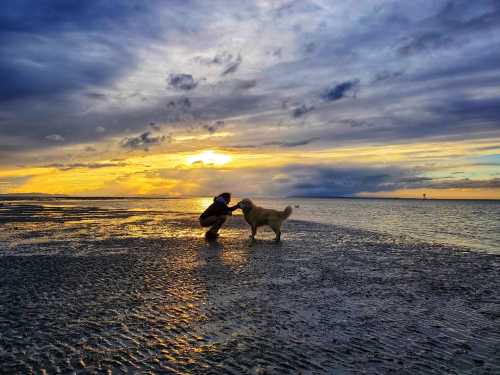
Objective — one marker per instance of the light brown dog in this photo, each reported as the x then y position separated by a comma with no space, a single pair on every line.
257,216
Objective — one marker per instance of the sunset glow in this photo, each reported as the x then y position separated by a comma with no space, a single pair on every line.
274,98
209,157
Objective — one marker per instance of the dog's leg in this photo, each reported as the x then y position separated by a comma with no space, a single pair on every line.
254,232
277,230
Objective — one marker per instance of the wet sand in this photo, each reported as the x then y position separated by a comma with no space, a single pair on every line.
98,291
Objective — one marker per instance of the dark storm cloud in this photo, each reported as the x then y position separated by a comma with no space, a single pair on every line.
340,90
329,181
183,82
32,66
143,141
50,47
334,181
429,69
460,16
472,110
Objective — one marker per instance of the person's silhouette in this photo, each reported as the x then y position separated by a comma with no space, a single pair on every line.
216,214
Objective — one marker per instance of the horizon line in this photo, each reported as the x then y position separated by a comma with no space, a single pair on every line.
103,197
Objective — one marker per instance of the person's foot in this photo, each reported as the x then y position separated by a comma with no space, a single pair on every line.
211,235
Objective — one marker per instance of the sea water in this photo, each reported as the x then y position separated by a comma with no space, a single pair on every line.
474,224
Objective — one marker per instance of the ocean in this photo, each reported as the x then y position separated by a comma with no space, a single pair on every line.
465,223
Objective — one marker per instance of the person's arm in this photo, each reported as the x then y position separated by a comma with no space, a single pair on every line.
235,207
230,210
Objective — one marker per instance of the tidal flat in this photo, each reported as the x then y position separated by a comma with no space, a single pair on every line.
94,290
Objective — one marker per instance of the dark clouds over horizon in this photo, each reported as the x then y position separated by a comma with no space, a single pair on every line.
285,74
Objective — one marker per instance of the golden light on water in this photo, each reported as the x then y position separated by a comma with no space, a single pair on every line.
209,157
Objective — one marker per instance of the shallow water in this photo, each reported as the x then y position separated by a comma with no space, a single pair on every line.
120,289
474,224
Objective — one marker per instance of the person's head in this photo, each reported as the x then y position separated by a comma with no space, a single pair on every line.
226,196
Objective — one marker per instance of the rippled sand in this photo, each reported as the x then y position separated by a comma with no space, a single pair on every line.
114,291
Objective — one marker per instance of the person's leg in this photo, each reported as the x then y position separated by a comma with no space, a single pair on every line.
220,220
214,222
208,221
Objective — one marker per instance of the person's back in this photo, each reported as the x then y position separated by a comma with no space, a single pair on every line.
217,208
216,214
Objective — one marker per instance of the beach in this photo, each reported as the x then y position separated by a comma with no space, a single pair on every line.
95,290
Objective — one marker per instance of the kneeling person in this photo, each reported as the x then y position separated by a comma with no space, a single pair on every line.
216,214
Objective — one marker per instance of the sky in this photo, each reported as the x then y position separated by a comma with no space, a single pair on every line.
261,98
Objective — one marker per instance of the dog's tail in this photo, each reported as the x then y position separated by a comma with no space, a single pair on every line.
287,212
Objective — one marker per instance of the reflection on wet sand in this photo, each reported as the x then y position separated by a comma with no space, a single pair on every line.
122,291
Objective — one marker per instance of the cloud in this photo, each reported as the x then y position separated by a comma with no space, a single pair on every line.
462,16
70,166
143,141
154,126
220,58
184,82
7,183
340,90
302,180
48,49
67,69
302,110
213,127
55,138
234,85
387,76
423,42
467,183
96,95
297,143
100,129
182,104
232,67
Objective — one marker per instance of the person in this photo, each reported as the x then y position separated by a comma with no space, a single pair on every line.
216,214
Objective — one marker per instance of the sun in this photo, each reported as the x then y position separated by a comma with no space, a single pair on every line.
209,157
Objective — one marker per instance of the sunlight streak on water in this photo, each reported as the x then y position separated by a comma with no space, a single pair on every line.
475,224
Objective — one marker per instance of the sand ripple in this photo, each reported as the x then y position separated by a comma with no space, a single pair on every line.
122,292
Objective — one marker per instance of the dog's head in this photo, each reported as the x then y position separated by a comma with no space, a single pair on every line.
245,204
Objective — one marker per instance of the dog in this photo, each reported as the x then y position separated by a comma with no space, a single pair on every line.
257,216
